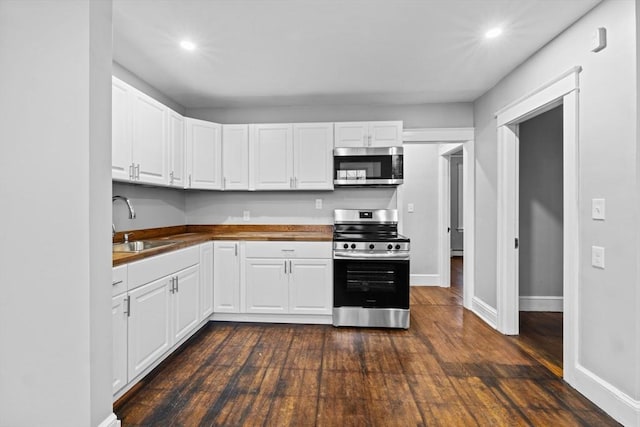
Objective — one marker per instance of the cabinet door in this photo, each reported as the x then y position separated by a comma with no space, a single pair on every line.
272,157
235,157
186,302
204,154
149,325
119,322
149,139
313,156
206,280
226,277
121,162
351,134
176,150
267,285
385,134
310,286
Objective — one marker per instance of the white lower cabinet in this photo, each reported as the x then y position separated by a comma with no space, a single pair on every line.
226,276
158,305
149,324
288,278
206,280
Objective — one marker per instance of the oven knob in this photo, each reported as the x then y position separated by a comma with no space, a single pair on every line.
371,246
346,246
353,246
389,247
397,246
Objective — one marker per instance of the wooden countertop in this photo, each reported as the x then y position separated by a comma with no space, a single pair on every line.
189,235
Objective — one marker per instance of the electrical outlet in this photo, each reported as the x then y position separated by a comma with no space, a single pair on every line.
246,216
597,256
410,207
597,209
318,203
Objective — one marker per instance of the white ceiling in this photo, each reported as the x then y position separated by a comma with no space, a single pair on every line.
299,52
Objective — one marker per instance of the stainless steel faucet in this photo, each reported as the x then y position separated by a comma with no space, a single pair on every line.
132,212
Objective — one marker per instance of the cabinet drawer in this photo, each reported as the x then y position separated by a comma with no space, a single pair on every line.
147,270
288,249
119,280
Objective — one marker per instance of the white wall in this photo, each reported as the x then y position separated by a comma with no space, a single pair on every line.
414,116
540,205
55,121
282,207
421,189
128,77
608,345
154,206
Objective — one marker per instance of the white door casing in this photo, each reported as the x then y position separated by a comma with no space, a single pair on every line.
562,90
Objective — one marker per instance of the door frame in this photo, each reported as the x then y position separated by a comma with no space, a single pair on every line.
563,90
450,139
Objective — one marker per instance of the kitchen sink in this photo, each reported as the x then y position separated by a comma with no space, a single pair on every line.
140,245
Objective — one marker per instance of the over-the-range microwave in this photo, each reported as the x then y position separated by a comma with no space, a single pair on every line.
367,166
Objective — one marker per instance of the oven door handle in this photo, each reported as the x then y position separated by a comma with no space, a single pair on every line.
351,255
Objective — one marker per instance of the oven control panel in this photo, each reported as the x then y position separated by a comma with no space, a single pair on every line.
371,246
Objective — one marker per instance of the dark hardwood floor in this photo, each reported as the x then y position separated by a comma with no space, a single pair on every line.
448,369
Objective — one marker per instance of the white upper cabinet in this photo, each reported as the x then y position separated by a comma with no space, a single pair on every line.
368,134
313,156
176,150
121,162
139,136
271,157
235,157
204,154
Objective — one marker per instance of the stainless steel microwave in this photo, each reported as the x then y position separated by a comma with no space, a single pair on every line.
367,166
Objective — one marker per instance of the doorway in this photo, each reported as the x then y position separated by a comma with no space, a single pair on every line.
563,92
540,223
456,220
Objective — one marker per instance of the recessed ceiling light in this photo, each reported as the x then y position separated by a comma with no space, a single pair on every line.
493,33
187,45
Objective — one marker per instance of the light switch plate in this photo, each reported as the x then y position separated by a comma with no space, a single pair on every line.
318,203
597,209
410,207
597,256
246,215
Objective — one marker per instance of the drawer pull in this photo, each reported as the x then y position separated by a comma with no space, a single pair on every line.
116,283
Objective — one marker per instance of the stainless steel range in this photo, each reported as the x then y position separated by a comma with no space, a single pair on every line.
370,269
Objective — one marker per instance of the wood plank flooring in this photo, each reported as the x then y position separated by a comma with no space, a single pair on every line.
448,369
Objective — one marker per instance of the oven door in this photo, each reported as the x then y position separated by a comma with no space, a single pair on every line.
371,282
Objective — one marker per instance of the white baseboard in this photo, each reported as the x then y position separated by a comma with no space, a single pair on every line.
485,312
110,421
310,319
424,280
619,405
541,304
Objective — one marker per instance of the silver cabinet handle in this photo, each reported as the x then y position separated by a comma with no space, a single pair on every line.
137,169
171,178
290,268
285,266
127,306
189,180
369,139
131,171
116,283
173,285
235,247
177,284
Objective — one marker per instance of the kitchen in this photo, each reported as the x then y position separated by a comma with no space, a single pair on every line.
74,234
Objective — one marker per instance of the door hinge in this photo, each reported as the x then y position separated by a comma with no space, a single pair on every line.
517,243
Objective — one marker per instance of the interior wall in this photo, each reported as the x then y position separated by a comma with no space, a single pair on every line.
540,205
457,232
282,207
154,206
55,312
420,188
608,347
128,77
413,116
